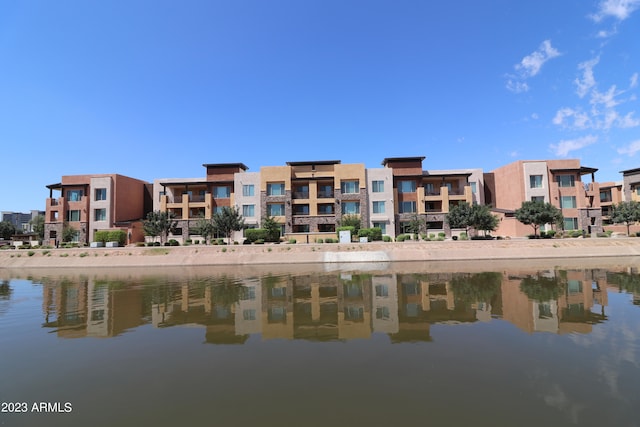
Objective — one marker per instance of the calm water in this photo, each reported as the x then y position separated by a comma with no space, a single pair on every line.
506,348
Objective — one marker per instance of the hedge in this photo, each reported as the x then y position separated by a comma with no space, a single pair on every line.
104,236
372,234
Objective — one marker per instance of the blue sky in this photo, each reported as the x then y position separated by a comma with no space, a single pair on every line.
154,89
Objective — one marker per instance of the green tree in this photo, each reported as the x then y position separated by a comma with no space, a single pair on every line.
159,224
7,230
227,221
37,225
416,225
626,213
272,227
205,228
483,219
537,214
69,234
541,289
460,216
351,221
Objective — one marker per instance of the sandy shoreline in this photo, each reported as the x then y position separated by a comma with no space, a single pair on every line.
371,256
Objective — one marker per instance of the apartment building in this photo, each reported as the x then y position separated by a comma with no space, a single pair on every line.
310,197
631,184
559,182
89,203
192,199
430,194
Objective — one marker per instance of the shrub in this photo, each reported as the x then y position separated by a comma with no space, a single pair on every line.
403,237
119,236
432,236
188,242
551,234
464,236
330,240
173,242
575,233
609,232
101,236
386,238
224,249
292,241
31,253
84,254
259,242
319,241
372,234
442,234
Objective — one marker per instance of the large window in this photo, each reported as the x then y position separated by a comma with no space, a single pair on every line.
248,211
430,189
100,214
301,209
275,189
407,207
535,181
539,199
567,202
222,192
248,190
377,186
382,226
101,194
350,187
406,187
571,223
378,207
73,215
566,181
325,209
350,208
275,209
325,191
474,187
74,195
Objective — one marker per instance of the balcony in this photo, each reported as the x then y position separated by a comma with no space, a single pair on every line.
323,194
300,194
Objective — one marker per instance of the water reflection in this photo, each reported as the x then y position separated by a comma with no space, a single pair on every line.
336,306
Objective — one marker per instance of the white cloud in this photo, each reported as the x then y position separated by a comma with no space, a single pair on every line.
608,98
618,9
564,147
634,81
630,149
629,121
531,64
587,81
580,119
517,87
535,116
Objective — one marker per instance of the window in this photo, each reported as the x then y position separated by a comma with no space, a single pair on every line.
382,291
382,226
566,181
537,199
248,190
100,214
383,313
327,228
73,216
378,207
161,194
101,194
406,187
350,208
407,207
574,287
301,192
222,192
249,314
430,189
571,223
303,228
325,191
248,210
637,191
217,209
275,209
474,187
535,181
605,196
325,209
567,202
377,186
275,189
74,195
301,209
350,187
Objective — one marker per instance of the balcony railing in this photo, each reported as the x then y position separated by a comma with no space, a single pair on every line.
300,194
432,192
325,194
54,202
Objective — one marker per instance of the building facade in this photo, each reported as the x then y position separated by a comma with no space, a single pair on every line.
21,221
90,203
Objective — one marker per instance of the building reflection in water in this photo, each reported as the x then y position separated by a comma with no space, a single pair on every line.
337,306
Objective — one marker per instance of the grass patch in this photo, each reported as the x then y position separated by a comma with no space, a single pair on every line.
156,251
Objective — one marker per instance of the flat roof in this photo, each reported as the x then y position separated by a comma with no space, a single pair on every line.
444,173
169,183
314,162
630,171
583,170
226,165
402,159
